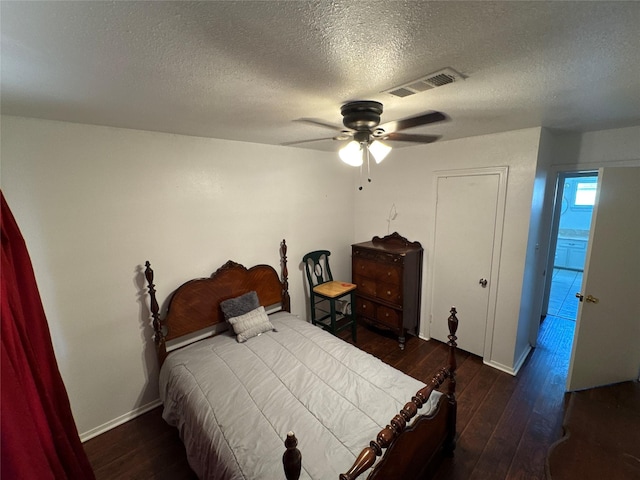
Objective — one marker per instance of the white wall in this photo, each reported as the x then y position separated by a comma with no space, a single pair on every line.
619,146
406,179
94,203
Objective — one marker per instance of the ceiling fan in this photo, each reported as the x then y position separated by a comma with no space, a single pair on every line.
361,120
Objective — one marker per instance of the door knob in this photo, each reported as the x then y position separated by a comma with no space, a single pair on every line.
588,298
483,282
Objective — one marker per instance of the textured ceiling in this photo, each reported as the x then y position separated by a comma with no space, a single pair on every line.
247,71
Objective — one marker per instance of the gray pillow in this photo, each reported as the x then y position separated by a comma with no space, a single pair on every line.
251,324
234,307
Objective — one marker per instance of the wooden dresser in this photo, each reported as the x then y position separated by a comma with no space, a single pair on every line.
388,275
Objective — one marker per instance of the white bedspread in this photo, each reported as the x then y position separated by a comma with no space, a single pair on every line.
233,403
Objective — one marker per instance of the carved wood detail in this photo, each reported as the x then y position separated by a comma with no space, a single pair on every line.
286,300
158,325
397,240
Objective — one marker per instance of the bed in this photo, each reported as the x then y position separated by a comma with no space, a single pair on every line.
237,396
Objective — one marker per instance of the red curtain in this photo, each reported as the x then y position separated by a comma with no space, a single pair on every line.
39,439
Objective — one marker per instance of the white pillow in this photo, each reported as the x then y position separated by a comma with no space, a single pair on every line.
251,324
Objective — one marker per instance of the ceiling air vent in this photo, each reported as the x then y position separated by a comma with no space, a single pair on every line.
433,80
402,92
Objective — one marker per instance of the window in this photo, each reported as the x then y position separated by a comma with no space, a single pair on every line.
585,194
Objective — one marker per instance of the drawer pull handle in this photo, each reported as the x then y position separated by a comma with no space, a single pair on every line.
364,307
388,274
388,292
386,314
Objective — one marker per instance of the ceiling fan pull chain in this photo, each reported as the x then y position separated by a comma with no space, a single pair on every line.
366,148
360,187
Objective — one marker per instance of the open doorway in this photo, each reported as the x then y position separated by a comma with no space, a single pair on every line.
600,346
575,199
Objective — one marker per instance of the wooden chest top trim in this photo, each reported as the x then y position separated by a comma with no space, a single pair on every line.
394,243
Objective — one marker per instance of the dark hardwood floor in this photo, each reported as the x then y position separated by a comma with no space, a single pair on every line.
505,424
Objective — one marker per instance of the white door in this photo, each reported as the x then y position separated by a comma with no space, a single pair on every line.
606,344
467,208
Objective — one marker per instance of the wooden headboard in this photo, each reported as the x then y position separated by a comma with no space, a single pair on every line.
195,305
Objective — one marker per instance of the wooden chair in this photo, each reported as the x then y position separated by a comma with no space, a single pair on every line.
332,302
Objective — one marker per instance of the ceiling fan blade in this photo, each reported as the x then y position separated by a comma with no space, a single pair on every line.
307,141
320,123
411,122
406,137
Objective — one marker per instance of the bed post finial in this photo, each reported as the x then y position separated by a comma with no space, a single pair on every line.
286,300
158,334
450,442
453,328
292,458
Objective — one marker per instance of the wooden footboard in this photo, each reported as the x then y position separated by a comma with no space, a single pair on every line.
408,452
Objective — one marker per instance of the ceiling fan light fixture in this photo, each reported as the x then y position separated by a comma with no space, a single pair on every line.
379,150
351,154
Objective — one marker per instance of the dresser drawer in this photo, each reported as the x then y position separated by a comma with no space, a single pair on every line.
377,256
389,292
385,272
365,307
365,286
389,317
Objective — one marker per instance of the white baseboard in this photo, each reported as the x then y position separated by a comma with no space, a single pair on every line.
522,359
510,370
94,432
499,366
